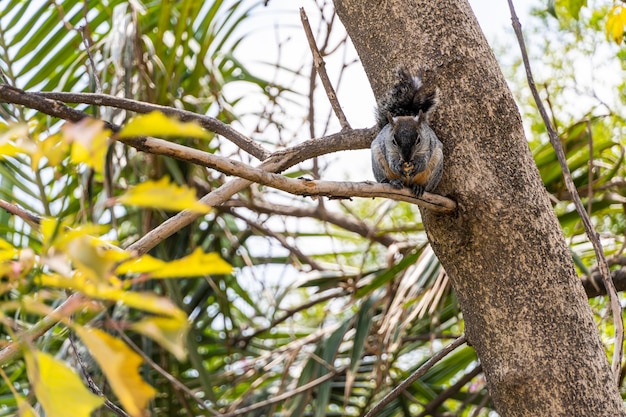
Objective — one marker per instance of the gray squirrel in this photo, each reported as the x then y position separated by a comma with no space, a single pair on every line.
406,152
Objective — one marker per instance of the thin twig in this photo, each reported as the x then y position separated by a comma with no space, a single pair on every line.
295,251
92,384
320,67
13,350
350,223
415,376
84,32
286,395
332,294
590,173
616,309
31,219
594,286
169,377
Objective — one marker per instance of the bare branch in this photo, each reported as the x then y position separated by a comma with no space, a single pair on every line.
415,376
16,210
286,395
136,106
276,162
331,189
616,308
349,223
73,303
320,67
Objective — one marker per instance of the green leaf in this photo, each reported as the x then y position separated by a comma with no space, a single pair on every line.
330,349
389,274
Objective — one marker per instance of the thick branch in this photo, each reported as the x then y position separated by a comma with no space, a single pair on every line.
302,187
594,286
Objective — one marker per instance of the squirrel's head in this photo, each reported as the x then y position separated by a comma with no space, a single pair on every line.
409,135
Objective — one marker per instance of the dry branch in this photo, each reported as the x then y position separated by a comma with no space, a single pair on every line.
320,68
415,376
48,103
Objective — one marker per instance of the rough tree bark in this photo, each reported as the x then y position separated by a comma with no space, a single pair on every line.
525,310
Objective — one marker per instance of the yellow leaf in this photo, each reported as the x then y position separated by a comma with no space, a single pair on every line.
158,124
168,332
7,251
616,23
4,245
65,235
149,302
142,265
14,140
58,388
94,257
53,148
120,365
90,140
24,408
197,263
9,149
164,195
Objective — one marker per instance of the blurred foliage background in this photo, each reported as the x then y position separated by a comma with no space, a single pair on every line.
332,303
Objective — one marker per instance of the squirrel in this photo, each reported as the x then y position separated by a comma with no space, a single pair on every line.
406,152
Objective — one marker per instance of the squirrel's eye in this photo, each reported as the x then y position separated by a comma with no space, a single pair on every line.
395,141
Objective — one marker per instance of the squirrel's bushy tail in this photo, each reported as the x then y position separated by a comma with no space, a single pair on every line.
407,97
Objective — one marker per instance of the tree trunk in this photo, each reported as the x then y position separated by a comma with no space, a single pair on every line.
525,311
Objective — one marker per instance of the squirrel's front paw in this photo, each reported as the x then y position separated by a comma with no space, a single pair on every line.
396,183
418,190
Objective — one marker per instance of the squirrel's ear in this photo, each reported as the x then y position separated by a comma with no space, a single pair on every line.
420,117
390,118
